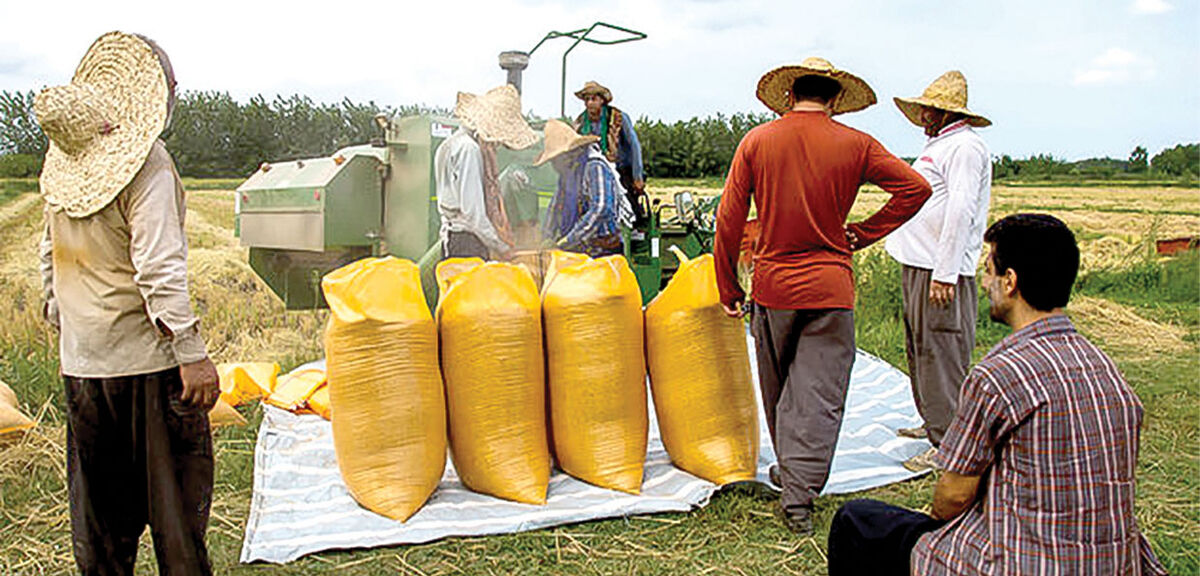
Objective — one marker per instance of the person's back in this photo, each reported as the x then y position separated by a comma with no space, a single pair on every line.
804,171
1061,490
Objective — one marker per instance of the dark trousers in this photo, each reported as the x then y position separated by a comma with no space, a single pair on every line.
137,456
464,245
804,361
870,537
938,340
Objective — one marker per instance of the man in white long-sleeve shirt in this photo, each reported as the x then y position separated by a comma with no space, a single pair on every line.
939,249
138,380
474,223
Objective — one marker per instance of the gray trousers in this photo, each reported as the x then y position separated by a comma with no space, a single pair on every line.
804,361
939,341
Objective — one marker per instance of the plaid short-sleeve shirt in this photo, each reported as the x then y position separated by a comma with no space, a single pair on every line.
1051,424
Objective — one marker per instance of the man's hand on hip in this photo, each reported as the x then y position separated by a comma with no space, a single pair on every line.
201,387
734,309
940,293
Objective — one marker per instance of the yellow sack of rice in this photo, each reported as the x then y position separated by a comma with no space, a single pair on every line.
245,381
490,330
222,414
13,424
592,315
700,378
293,389
385,388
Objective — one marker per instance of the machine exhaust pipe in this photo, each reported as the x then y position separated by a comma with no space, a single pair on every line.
514,62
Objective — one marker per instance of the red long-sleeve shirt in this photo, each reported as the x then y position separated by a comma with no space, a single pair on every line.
804,171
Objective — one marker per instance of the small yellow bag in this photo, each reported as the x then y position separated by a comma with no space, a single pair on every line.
385,388
490,330
222,414
596,370
245,381
293,389
700,377
13,424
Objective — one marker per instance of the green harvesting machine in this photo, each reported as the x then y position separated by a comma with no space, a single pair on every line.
302,219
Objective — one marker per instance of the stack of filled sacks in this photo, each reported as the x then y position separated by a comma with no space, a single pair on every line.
490,331
700,378
596,370
13,424
385,388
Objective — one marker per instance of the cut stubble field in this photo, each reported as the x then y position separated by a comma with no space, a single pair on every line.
1143,311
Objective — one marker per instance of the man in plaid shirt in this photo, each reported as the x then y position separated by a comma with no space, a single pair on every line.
1038,464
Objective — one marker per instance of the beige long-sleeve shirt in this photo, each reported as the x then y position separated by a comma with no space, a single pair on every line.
115,282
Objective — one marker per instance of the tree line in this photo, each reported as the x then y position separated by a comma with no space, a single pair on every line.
212,135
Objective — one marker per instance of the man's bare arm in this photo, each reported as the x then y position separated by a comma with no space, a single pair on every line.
953,494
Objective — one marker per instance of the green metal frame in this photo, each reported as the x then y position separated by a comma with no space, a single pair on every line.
581,35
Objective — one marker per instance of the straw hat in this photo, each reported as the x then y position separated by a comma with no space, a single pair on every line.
594,88
496,117
774,86
101,126
560,139
949,93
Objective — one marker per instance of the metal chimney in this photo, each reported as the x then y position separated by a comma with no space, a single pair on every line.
514,62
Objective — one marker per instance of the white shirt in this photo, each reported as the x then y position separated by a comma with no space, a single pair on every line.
114,280
458,168
946,235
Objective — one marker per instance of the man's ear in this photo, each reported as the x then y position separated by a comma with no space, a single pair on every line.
1008,283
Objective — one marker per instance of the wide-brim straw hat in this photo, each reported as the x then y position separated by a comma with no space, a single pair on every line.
775,86
102,125
560,139
949,93
496,117
591,88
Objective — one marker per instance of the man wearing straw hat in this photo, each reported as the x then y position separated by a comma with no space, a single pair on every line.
474,222
139,383
803,171
618,140
590,208
939,250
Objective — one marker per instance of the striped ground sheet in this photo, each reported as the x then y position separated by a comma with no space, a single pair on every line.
300,504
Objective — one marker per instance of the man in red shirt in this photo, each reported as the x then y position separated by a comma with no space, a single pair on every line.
803,171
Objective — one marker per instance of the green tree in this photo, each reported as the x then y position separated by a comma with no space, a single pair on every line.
1179,160
1137,160
19,130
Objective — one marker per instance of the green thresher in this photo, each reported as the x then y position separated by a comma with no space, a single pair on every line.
304,218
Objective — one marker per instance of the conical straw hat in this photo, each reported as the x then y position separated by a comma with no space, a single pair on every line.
949,93
775,86
592,87
101,126
560,139
496,117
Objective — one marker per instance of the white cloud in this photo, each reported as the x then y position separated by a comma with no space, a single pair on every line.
1114,66
1150,7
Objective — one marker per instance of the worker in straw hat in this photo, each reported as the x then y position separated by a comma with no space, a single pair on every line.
474,221
617,140
139,383
939,250
803,171
590,208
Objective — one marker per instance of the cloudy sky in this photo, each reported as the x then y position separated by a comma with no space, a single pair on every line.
1074,78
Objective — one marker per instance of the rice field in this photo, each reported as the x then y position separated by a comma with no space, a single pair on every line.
1154,339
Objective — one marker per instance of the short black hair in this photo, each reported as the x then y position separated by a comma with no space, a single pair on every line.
1042,251
812,87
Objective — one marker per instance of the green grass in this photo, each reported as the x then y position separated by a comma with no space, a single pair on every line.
735,534
12,187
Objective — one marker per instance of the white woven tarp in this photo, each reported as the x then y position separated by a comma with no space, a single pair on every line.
300,504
